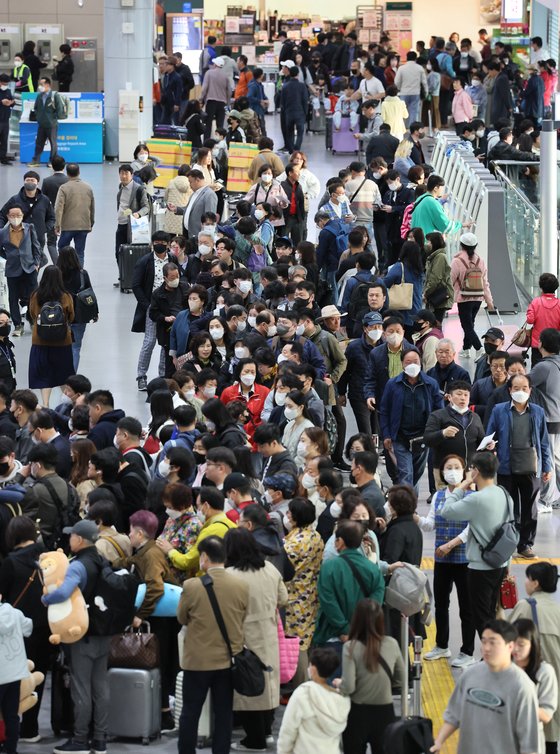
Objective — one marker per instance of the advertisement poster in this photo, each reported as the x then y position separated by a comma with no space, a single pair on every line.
490,11
398,24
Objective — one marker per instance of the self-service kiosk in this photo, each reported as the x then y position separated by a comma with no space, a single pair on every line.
11,42
84,55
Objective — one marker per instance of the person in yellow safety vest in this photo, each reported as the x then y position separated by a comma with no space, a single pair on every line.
22,75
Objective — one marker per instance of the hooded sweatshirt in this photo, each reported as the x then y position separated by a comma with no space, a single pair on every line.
271,546
13,659
314,721
102,433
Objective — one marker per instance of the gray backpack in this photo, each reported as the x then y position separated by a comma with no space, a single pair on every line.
504,541
410,593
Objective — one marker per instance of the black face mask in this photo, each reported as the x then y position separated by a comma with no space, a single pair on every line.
5,330
417,327
199,457
490,348
4,468
218,280
160,248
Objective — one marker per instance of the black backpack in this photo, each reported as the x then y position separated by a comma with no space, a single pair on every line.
86,308
51,322
411,736
111,607
357,306
68,514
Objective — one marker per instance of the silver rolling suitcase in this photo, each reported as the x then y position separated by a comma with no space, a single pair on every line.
134,703
205,721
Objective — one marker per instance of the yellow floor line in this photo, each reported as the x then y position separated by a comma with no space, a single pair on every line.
437,686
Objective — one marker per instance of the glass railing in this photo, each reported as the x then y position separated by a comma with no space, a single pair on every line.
522,214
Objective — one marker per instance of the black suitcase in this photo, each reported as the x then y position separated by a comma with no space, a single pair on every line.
129,254
171,132
62,708
328,132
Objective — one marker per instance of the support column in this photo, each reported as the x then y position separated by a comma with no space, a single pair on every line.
549,198
128,60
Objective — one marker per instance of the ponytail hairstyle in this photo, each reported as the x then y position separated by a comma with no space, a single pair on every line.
546,574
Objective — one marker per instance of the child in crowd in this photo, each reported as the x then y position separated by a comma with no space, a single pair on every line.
478,95
13,667
320,92
316,713
346,107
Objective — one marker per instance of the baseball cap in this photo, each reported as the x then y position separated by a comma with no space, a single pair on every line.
287,63
234,114
86,529
284,482
495,333
219,61
283,242
469,239
235,480
372,318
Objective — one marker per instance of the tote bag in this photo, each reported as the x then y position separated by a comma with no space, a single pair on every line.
400,295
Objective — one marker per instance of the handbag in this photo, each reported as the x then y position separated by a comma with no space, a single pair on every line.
247,670
134,649
504,541
140,229
288,648
400,295
523,460
508,592
523,336
438,296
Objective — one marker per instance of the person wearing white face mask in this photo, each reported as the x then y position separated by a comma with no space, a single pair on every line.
298,420
183,525
168,301
246,389
407,402
454,429
268,189
244,286
450,566
352,382
48,108
523,454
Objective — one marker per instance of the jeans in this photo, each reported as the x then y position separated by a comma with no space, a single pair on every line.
524,490
338,413
214,109
148,345
78,332
19,291
299,126
196,684
9,703
467,316
484,588
445,575
89,685
42,135
295,229
79,237
410,462
412,102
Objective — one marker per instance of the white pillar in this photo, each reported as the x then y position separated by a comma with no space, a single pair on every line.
128,57
549,198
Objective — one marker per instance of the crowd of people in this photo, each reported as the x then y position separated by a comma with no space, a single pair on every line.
246,473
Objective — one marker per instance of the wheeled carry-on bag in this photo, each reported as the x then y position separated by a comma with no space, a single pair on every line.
412,734
343,140
129,254
134,703
318,121
170,132
328,132
205,727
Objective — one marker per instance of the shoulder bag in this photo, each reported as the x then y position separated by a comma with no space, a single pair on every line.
504,541
247,669
400,295
522,338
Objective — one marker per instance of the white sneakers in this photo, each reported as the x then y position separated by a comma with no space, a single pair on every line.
463,661
465,353
437,653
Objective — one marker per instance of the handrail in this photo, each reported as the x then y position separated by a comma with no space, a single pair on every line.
503,177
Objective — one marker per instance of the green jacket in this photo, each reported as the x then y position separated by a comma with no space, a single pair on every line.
438,272
429,215
49,112
339,593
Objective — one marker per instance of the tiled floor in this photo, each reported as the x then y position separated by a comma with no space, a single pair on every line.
110,350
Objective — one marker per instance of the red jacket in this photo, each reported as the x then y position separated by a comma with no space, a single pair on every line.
543,312
255,404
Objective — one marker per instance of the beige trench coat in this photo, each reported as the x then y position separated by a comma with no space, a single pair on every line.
548,613
267,592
